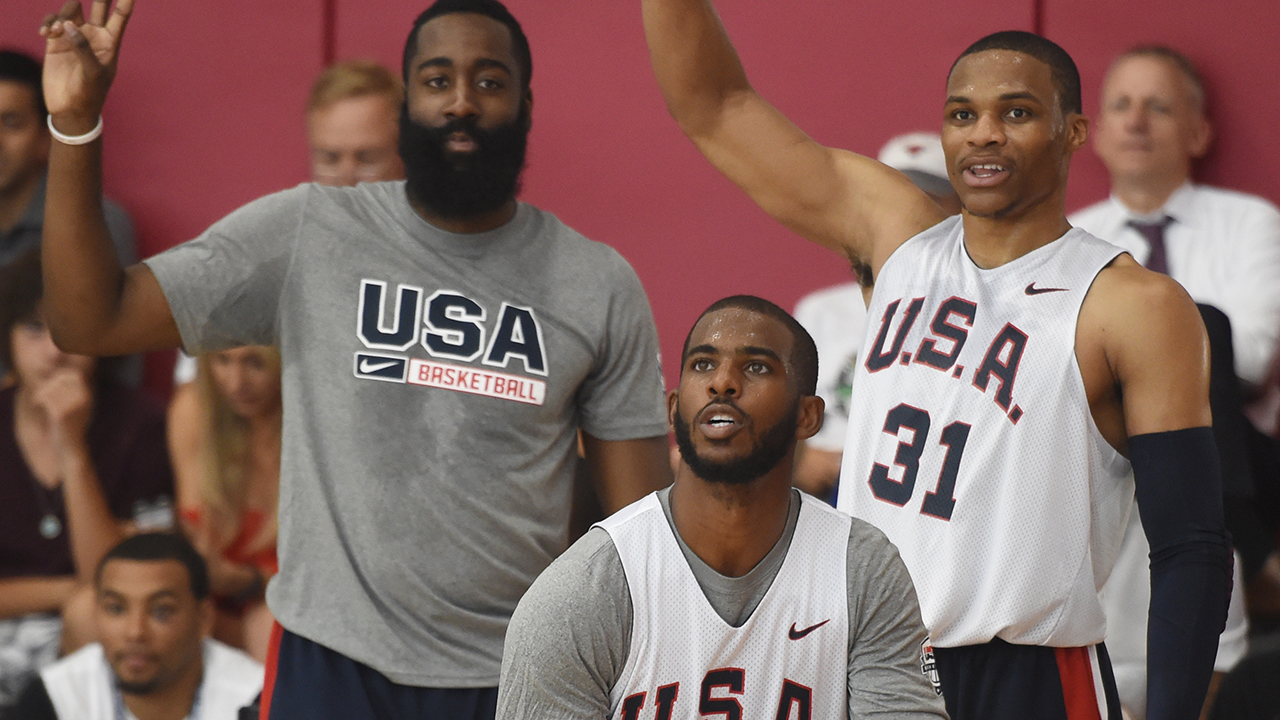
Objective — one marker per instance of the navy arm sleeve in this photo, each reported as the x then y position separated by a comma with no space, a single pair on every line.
1179,491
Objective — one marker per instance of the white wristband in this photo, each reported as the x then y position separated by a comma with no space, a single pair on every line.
84,139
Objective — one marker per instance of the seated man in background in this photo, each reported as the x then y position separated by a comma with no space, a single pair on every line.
696,585
835,317
353,124
1224,248
82,463
154,661
24,157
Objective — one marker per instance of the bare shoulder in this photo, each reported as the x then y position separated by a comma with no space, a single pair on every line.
1145,330
1132,304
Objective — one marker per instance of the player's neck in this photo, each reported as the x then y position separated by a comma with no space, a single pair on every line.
995,241
469,225
731,527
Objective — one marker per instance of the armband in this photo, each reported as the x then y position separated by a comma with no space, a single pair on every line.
1179,490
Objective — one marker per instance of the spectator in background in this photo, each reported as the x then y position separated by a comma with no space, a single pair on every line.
353,124
224,438
353,131
835,317
82,461
24,156
1224,248
153,612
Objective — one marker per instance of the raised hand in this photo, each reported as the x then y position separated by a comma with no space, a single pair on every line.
67,399
80,60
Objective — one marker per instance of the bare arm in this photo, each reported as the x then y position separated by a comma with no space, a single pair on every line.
624,471
1158,349
93,306
848,203
25,595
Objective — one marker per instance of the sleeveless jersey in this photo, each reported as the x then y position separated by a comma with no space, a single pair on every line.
685,661
971,445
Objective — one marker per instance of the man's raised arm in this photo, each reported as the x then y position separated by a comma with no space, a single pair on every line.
848,203
92,306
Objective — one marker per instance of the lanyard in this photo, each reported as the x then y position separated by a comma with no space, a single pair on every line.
123,714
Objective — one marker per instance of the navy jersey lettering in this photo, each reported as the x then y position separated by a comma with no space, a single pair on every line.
454,326
520,335
941,326
877,359
374,331
730,708
1005,371
795,695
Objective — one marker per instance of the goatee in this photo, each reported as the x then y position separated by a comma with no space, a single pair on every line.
769,450
458,186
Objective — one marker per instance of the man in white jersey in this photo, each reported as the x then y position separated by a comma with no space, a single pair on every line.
731,592
1007,503
442,345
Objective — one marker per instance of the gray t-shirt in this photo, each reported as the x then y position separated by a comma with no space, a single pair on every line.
570,636
433,384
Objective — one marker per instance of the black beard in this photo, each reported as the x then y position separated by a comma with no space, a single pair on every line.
138,688
769,450
458,187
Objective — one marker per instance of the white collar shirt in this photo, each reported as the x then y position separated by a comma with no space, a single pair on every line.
1224,248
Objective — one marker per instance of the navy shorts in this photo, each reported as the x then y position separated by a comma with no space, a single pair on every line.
307,681
1001,681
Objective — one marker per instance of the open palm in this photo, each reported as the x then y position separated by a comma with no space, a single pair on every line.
80,55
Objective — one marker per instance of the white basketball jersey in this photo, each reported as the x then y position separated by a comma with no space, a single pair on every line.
788,660
972,447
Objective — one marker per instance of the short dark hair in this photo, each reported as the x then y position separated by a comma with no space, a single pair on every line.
488,8
161,546
804,353
1177,59
21,288
1066,78
19,67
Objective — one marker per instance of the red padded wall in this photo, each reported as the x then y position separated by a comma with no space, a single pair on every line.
207,112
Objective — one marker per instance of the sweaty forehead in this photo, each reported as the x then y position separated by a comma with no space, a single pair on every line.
732,329
997,72
465,37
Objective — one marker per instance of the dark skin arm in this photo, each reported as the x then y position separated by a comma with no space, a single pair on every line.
623,471
93,306
842,201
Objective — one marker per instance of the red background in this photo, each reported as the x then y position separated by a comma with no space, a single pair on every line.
207,112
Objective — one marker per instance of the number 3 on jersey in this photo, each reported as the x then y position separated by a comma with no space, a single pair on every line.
939,502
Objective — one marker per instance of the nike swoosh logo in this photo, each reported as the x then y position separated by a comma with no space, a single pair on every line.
795,634
1033,290
367,367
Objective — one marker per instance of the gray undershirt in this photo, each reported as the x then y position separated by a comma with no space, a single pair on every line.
570,636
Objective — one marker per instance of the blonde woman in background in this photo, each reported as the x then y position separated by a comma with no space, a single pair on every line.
224,437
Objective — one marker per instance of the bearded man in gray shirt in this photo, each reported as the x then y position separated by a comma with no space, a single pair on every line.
441,343
731,592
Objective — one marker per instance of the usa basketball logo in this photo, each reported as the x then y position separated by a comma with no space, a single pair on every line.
929,665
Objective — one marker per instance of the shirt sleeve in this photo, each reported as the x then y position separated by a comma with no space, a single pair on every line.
1252,297
886,634
569,637
622,398
224,287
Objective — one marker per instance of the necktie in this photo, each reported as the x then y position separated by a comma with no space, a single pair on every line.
1154,233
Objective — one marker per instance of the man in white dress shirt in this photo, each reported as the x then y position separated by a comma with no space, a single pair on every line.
1224,248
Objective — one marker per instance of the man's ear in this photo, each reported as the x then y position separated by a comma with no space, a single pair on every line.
1077,131
673,405
1201,137
528,109
809,418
